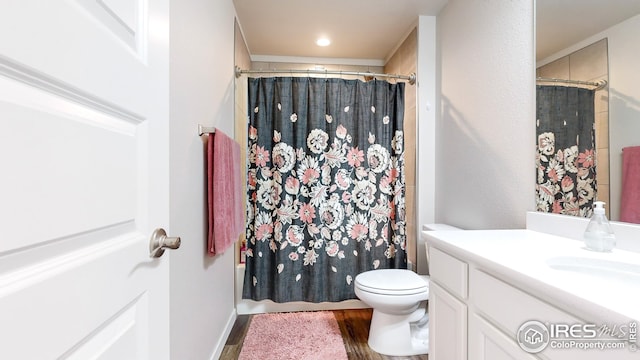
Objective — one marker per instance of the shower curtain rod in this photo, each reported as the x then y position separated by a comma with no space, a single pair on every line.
411,77
600,84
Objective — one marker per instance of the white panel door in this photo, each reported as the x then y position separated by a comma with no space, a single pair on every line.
83,179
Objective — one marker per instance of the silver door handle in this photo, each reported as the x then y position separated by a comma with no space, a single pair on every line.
160,241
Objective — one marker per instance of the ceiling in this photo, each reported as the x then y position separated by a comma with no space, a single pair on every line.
358,29
365,30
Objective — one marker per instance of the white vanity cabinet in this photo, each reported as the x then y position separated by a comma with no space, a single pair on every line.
477,307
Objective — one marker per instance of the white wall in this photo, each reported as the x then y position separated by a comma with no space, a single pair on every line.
485,134
202,288
428,85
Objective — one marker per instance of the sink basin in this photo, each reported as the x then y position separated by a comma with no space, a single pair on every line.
607,269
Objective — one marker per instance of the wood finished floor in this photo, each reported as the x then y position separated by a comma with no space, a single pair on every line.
354,325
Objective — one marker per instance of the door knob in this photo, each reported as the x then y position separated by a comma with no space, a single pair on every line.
160,241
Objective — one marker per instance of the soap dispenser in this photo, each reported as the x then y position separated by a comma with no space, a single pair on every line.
598,236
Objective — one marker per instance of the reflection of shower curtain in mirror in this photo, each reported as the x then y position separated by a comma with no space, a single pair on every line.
565,158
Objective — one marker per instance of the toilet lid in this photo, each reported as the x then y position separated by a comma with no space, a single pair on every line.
391,281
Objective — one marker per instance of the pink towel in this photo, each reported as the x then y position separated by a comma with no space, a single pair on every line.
630,199
226,217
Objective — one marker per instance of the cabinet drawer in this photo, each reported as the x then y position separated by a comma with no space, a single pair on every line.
449,272
507,308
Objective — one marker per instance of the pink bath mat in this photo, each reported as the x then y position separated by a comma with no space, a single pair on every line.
295,336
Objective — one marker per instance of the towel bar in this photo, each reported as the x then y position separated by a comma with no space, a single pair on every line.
205,130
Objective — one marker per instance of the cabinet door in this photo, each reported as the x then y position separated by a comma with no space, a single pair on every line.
448,325
488,343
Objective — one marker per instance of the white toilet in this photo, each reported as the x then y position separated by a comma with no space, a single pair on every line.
399,326
400,323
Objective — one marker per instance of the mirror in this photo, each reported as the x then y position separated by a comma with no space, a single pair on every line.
577,37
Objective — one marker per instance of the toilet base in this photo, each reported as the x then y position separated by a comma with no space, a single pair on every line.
391,334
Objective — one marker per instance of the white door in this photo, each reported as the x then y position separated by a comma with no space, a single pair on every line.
83,179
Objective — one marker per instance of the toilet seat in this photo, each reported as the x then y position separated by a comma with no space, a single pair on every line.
392,282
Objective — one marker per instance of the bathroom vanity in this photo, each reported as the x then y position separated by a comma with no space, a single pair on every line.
486,284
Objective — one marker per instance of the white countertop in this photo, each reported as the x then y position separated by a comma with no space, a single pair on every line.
595,286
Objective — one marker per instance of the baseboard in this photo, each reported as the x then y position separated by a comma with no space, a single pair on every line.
217,351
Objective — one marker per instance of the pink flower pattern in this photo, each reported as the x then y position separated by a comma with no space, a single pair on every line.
311,203
355,157
565,180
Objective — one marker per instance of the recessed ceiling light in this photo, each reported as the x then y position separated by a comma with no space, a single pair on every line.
323,42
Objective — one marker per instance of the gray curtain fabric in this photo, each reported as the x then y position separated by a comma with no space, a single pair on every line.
565,159
326,189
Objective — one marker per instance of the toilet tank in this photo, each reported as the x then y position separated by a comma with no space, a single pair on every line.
422,250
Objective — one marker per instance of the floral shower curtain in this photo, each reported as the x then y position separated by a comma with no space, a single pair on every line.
565,160
326,196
